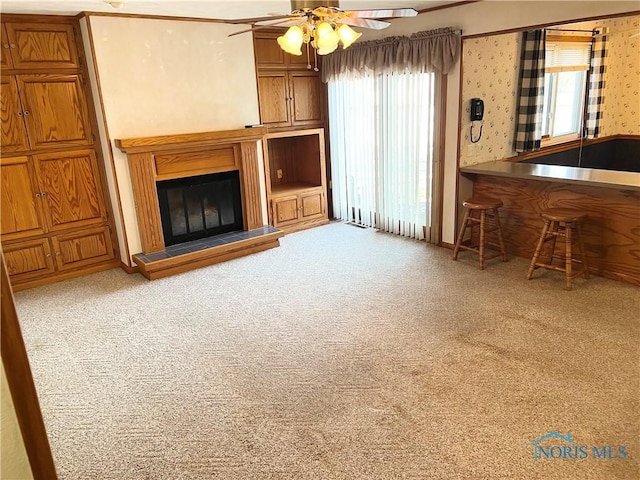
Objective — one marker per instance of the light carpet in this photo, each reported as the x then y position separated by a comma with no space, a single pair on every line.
342,354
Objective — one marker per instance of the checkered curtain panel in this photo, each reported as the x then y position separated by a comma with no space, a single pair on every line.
596,83
531,84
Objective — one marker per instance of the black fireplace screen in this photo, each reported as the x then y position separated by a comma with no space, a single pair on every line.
199,207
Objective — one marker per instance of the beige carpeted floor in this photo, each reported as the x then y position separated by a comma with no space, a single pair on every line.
343,354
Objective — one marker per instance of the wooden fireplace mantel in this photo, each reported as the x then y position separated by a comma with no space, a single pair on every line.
153,159
171,142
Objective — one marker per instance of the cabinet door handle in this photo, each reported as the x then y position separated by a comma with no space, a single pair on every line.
19,114
26,112
48,255
13,45
57,253
44,194
6,45
37,195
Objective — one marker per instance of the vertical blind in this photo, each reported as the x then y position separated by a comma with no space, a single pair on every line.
382,142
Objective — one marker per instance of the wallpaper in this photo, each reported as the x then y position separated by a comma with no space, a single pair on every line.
621,112
490,71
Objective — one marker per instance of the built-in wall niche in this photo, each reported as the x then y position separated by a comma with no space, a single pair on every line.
294,162
296,179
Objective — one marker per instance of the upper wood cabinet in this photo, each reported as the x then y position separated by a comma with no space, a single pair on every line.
290,98
41,111
55,110
290,94
39,46
5,53
14,133
269,54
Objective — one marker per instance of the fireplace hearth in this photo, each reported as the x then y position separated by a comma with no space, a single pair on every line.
197,207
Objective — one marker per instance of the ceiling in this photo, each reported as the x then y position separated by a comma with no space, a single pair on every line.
225,9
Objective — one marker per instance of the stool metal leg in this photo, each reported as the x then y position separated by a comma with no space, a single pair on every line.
534,260
463,228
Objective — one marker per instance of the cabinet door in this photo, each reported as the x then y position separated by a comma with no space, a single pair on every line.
273,90
82,248
14,133
5,53
267,51
285,210
42,45
55,110
70,187
20,205
28,259
307,94
312,205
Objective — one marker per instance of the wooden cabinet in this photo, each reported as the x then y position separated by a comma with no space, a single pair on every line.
69,189
290,95
20,194
14,133
296,179
308,204
55,222
39,46
290,98
42,111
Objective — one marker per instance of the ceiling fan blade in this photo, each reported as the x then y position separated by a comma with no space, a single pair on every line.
383,13
289,21
257,19
364,22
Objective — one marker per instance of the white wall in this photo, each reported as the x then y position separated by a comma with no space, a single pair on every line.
14,464
161,77
484,17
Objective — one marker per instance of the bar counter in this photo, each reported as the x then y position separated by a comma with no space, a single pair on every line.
610,198
558,173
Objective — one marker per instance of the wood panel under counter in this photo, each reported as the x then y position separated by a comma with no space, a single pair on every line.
611,199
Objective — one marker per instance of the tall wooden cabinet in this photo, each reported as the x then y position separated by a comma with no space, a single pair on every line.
55,221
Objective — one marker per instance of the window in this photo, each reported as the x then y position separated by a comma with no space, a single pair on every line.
565,80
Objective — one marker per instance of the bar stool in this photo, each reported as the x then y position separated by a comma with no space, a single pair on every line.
561,222
478,211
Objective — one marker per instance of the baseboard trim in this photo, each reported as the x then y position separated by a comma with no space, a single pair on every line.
450,246
129,269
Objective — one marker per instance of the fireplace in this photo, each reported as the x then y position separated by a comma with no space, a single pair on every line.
198,207
194,185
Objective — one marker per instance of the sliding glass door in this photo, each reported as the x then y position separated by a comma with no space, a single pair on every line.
382,151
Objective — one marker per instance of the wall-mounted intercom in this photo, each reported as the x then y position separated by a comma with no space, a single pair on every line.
477,113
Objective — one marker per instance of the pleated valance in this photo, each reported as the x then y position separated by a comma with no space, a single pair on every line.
423,52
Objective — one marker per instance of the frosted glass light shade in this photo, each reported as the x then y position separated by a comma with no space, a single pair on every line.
326,39
347,35
291,42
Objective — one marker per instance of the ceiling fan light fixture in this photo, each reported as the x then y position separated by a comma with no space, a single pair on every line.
347,35
326,38
291,41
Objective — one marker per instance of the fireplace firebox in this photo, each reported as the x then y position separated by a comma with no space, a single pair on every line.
197,207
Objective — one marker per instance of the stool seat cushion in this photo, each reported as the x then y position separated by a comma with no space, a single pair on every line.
482,203
563,214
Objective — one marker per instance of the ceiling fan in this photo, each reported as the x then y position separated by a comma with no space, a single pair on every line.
322,24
